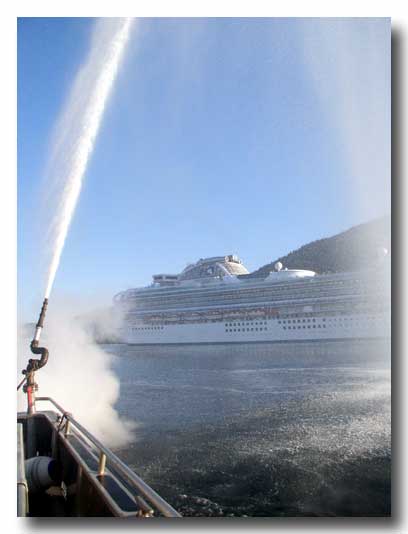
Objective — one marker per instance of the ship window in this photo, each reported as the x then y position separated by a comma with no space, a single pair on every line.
289,327
314,326
256,329
252,329
284,327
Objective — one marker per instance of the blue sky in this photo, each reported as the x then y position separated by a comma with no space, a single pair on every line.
247,136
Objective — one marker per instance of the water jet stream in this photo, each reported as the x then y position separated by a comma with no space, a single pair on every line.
79,124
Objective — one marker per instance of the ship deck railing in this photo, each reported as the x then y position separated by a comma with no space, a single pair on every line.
82,444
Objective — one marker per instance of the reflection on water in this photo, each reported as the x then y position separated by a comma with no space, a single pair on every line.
261,430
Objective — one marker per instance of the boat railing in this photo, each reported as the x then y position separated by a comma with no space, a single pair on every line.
22,486
106,456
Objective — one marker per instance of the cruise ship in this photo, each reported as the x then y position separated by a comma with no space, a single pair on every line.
216,300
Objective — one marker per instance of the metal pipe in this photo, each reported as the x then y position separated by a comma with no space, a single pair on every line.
102,464
40,322
30,390
35,349
22,488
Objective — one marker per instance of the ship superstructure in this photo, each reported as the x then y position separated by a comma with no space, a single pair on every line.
217,300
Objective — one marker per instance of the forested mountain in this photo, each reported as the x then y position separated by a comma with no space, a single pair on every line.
351,250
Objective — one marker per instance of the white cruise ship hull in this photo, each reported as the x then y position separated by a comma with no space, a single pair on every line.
271,330
214,301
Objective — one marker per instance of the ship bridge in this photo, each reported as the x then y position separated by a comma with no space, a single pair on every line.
214,267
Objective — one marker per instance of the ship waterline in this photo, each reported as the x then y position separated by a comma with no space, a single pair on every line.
216,300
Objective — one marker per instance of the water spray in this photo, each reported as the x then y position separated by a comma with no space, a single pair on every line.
96,79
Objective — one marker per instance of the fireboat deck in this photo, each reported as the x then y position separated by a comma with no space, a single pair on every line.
91,482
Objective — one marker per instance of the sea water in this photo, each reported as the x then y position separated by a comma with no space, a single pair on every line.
290,429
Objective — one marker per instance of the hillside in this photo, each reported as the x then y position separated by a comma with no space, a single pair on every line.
351,250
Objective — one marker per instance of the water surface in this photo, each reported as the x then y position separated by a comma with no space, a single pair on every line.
261,429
